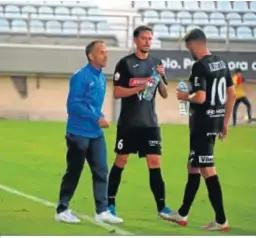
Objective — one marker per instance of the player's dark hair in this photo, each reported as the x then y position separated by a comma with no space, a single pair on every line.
90,46
238,70
140,29
195,35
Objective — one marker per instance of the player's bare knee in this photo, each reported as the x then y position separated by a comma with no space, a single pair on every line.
153,161
121,160
208,172
192,170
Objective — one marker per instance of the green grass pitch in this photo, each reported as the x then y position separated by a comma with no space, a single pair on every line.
32,160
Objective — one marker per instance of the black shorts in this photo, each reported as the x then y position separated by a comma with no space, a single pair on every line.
202,150
141,140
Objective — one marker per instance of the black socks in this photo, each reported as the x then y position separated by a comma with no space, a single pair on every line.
113,183
192,186
157,187
215,196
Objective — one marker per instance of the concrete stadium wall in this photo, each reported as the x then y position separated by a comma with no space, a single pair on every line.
46,100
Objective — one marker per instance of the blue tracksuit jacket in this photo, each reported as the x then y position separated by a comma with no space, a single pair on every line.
84,104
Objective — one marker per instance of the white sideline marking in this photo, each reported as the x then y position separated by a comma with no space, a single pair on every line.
108,227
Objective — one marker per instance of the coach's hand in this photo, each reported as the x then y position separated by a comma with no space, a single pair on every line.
103,123
160,69
182,96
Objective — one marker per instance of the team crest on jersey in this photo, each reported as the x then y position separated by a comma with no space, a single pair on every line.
117,76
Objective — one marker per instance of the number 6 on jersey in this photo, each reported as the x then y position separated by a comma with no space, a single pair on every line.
120,144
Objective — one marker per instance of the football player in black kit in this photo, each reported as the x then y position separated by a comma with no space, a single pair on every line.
138,130
211,97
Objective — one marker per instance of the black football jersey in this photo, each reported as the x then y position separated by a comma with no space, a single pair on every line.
135,111
210,74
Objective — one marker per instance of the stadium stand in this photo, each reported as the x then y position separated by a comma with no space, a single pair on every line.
215,17
53,22
76,22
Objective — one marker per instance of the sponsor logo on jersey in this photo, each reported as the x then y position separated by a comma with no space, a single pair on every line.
153,143
139,81
136,66
216,113
206,159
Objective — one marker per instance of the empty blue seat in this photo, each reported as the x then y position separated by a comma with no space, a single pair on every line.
177,31
207,5
184,17
12,11
174,5
19,26
1,11
161,30
87,27
70,27
224,5
150,16
224,31
96,14
244,32
141,4
4,25
36,26
78,11
45,12
191,5
240,5
62,11
158,4
167,17
200,18
104,28
234,18
253,6
53,27
217,18
249,18
211,31
26,10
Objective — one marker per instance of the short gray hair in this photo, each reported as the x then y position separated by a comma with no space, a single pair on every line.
90,46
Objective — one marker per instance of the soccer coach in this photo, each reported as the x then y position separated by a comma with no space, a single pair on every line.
84,137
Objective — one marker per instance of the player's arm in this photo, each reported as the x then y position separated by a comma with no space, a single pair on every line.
121,82
162,89
162,86
231,97
198,82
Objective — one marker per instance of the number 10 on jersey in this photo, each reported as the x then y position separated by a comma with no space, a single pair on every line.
219,91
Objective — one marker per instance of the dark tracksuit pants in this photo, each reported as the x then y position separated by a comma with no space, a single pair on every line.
94,150
246,102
